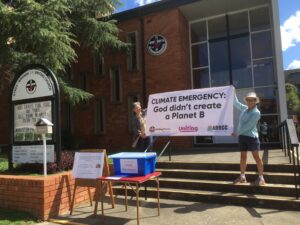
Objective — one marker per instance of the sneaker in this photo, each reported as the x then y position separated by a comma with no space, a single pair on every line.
240,179
259,182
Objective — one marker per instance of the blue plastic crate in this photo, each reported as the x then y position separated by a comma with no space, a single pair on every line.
134,163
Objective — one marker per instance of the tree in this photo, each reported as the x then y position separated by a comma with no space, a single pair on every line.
293,101
47,31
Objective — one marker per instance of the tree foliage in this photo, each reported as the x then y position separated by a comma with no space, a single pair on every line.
293,101
47,31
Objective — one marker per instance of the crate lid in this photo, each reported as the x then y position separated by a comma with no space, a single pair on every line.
133,155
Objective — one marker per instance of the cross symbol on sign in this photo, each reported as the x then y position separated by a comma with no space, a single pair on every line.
30,86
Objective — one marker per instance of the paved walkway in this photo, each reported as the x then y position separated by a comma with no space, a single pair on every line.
178,213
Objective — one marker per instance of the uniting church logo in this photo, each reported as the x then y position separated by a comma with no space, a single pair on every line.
31,86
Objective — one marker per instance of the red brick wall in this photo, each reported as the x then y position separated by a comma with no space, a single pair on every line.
171,70
167,72
41,197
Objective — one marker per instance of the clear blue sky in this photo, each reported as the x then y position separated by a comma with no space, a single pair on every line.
289,11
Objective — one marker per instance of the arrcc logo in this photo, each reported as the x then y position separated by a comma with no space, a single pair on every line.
31,86
217,127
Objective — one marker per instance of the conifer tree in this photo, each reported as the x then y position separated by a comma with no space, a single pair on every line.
47,31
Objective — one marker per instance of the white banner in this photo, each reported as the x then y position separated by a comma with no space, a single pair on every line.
196,112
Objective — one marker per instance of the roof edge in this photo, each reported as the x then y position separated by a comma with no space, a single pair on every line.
149,9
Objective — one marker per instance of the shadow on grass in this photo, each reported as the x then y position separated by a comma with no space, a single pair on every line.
13,217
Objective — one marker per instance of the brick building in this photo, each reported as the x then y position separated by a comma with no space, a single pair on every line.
207,43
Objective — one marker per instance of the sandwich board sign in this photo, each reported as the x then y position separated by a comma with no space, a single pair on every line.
34,95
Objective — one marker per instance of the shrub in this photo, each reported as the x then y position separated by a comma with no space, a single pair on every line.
67,160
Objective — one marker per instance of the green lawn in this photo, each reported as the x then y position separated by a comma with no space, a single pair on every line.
12,217
3,162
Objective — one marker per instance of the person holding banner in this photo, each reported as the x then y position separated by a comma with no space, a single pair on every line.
248,136
141,141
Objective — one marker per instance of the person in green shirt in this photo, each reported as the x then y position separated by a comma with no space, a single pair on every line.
248,136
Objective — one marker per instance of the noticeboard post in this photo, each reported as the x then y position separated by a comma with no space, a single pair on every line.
34,95
43,127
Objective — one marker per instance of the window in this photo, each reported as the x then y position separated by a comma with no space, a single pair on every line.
83,83
219,63
131,99
132,62
241,62
294,76
260,19
198,32
200,78
199,55
235,48
238,23
99,65
67,117
262,45
267,96
217,28
115,81
263,72
99,116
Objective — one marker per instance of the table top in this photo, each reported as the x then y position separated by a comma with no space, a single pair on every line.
130,179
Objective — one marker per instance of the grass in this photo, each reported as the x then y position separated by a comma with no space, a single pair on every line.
4,168
12,217
3,162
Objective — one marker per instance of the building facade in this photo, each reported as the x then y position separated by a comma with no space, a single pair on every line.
177,45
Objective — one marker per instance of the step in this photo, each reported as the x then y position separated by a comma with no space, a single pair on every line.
227,198
281,168
226,186
270,177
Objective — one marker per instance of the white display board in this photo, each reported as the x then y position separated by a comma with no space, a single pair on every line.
195,112
25,118
88,165
32,154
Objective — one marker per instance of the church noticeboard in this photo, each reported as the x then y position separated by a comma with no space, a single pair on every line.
34,95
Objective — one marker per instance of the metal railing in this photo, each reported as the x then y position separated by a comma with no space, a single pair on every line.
163,150
290,147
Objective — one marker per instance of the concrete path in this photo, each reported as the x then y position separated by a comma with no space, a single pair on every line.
178,213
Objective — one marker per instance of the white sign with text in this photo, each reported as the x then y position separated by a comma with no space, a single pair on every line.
32,84
195,112
129,166
88,165
32,154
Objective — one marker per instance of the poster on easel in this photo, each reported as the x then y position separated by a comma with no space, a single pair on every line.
88,165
